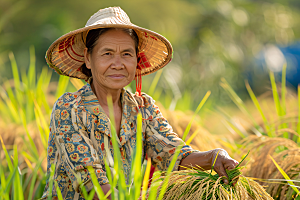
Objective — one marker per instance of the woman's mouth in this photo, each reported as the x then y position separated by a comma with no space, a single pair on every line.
116,76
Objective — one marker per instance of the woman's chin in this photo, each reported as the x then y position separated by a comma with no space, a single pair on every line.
116,86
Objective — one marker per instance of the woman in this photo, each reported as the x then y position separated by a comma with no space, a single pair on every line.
109,53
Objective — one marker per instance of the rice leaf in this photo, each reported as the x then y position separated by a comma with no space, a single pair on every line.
10,101
112,180
146,179
188,128
31,71
275,94
9,163
137,159
17,181
154,82
32,146
16,77
256,103
42,86
237,100
51,180
42,133
59,195
154,186
34,177
63,84
231,125
285,176
283,89
279,109
192,137
96,183
212,167
10,94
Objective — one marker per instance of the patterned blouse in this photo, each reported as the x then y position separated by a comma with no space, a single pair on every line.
78,129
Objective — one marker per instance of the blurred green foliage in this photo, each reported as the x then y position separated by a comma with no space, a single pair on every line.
211,39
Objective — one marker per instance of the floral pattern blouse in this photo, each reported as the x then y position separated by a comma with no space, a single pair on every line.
78,129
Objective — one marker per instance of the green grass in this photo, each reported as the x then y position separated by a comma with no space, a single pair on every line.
23,101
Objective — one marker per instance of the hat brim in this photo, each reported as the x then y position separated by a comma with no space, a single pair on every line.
66,54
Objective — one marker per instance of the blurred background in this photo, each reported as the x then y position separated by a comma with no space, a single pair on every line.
234,39
218,45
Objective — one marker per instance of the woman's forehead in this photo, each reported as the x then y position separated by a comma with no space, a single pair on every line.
115,38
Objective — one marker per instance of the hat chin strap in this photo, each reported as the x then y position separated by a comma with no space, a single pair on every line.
142,64
138,81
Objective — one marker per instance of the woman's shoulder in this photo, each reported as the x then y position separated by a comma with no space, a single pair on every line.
144,100
69,99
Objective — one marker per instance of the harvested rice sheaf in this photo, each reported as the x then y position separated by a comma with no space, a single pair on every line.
195,184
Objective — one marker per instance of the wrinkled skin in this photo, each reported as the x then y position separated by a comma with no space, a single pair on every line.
206,159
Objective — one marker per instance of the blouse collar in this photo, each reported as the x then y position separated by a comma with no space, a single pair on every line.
129,103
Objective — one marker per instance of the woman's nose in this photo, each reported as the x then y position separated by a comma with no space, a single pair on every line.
117,62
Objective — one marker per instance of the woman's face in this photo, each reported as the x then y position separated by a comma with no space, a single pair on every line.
113,60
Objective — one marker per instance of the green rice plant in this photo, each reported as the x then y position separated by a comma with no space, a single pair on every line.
280,107
26,90
257,105
154,82
188,128
237,100
14,180
272,128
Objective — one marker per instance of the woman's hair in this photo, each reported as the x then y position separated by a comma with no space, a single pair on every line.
93,36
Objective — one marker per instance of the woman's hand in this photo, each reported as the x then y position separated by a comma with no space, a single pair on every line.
205,160
223,162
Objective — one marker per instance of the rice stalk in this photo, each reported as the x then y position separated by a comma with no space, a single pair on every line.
195,184
286,153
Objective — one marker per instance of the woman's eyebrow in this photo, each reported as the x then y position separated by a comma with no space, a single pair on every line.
107,49
130,50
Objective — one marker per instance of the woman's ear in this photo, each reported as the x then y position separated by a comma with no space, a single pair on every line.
87,58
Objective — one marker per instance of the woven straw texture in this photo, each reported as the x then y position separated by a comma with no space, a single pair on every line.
66,55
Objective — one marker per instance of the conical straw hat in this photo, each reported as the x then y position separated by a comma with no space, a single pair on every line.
66,56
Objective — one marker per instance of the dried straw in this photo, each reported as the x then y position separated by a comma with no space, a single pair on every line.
195,184
285,152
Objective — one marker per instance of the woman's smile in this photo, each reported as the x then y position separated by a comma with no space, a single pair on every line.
116,76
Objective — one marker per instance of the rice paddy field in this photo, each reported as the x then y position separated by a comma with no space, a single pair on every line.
227,87
268,126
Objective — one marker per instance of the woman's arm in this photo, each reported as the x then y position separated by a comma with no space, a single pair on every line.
206,159
161,143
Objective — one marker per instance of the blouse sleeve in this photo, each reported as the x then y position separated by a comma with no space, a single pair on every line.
161,141
75,151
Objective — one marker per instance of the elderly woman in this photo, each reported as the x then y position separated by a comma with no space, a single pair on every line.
109,53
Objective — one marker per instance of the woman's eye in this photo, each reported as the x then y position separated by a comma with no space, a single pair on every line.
127,54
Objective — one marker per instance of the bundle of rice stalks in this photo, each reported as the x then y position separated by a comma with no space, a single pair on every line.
285,152
197,184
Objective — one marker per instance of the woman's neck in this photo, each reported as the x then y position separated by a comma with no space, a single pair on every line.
102,94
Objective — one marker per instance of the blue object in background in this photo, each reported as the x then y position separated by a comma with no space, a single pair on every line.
292,56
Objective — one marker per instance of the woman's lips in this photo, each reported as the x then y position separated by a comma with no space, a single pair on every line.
116,76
